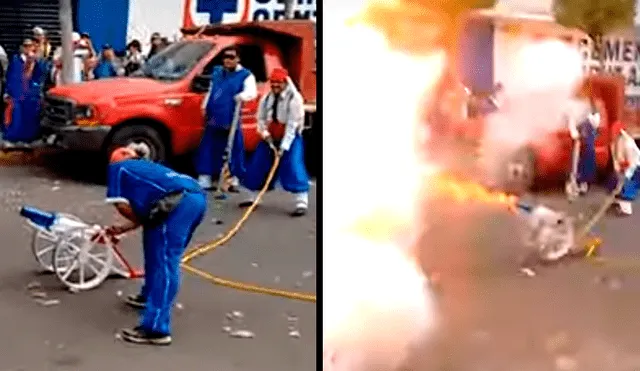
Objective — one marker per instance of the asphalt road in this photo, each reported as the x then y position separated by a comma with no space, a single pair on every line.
571,316
79,333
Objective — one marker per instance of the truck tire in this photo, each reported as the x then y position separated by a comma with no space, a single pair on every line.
140,133
520,172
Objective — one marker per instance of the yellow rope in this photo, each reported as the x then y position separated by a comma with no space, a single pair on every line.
210,246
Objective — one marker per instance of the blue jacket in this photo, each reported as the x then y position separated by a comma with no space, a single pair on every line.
17,88
225,86
104,69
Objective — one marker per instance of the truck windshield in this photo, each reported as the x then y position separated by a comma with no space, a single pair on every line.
175,61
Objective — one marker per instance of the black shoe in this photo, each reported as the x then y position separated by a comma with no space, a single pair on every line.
300,211
245,204
136,301
138,335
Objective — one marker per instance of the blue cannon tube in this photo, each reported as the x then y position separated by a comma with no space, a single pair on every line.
39,217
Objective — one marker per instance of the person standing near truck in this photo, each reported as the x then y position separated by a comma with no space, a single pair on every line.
626,163
231,84
22,96
583,121
280,123
107,66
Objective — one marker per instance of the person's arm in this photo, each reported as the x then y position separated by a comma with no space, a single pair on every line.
295,121
262,116
205,100
118,199
11,88
249,89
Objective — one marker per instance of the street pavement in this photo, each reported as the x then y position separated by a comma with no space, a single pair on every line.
570,316
79,333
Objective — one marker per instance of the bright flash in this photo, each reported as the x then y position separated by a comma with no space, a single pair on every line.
376,301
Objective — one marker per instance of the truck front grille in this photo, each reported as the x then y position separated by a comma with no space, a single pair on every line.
57,111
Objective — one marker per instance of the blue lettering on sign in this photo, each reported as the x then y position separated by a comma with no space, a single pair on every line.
216,8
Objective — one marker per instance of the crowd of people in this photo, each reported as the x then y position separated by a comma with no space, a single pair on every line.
38,66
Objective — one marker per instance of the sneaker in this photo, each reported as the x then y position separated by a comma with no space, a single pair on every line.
299,211
136,301
245,204
138,335
205,182
583,188
625,208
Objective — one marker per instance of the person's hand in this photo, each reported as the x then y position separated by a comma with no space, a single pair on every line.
116,230
238,98
280,152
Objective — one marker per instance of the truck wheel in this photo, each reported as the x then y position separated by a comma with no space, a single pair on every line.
140,134
519,172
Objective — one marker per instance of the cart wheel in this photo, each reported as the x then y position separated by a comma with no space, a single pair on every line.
80,263
43,244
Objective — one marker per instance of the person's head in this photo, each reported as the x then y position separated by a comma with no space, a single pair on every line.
134,46
39,34
278,80
230,58
129,152
107,52
85,36
156,39
28,47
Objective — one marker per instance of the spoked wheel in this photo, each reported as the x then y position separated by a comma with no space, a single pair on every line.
43,243
80,263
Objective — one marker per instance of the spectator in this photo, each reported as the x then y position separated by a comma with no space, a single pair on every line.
134,57
44,49
156,44
4,63
85,39
22,96
107,66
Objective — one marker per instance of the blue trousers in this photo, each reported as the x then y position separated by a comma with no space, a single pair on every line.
164,246
24,125
291,172
587,166
209,157
629,190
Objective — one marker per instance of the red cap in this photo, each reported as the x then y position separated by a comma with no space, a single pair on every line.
279,75
121,154
616,128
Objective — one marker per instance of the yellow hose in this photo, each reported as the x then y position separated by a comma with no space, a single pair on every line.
210,246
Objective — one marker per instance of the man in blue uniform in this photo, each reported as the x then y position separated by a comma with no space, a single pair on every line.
231,84
280,123
169,206
22,96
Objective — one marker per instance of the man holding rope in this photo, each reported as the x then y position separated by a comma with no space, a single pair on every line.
626,163
280,123
231,84
169,206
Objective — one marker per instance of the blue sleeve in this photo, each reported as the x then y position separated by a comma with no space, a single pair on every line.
114,181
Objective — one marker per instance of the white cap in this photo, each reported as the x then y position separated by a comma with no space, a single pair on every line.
38,31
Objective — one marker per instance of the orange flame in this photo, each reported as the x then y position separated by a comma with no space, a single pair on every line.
444,185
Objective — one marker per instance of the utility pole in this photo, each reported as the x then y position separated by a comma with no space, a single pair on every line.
66,27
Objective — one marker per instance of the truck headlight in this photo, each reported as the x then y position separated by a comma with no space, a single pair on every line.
84,112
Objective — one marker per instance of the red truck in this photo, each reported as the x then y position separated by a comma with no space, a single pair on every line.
160,104
486,39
